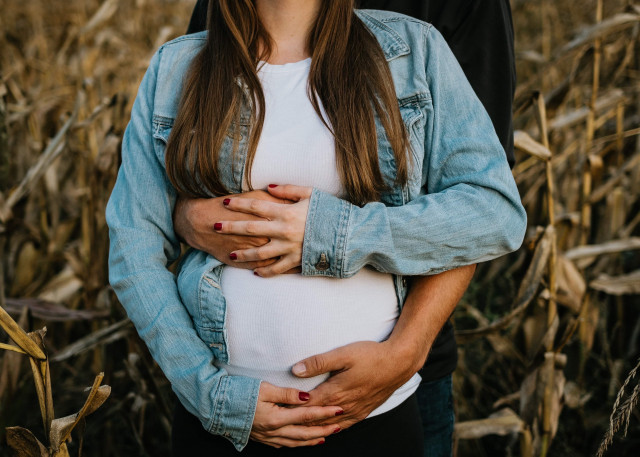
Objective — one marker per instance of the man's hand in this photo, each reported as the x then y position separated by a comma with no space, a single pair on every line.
193,221
363,376
283,418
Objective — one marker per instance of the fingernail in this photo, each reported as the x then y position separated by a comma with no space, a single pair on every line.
299,369
337,430
321,442
217,226
226,201
273,185
233,256
304,396
339,413
256,274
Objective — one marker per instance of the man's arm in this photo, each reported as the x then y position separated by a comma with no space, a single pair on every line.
380,368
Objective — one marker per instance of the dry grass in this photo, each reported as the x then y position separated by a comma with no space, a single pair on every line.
554,327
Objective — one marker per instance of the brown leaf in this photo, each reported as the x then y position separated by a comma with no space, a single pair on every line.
28,264
51,311
618,285
504,422
97,396
60,428
571,284
24,443
19,336
524,142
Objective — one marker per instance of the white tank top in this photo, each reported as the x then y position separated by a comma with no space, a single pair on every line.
272,323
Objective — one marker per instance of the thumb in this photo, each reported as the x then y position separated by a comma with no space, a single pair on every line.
290,192
319,364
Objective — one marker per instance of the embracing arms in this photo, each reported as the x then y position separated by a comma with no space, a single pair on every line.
142,246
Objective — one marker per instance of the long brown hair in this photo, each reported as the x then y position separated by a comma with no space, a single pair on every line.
349,77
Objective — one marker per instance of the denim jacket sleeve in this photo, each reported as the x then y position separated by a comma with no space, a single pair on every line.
142,245
468,210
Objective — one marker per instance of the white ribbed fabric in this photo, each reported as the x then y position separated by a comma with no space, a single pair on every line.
272,323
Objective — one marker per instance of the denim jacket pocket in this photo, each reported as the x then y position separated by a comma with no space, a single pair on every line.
412,113
199,287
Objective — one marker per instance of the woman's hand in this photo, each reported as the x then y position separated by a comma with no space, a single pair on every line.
281,418
284,227
193,220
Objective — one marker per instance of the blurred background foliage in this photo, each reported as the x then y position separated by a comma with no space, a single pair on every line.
547,334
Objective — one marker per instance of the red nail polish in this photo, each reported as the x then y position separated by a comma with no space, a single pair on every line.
256,274
226,201
217,226
273,185
337,430
339,413
321,442
304,396
233,256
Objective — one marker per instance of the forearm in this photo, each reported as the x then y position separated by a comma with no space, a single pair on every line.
428,306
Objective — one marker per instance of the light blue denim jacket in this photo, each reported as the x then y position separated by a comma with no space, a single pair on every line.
460,206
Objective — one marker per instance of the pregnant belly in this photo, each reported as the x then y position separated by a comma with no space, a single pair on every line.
272,323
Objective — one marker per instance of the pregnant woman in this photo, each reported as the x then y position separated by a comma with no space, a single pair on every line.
392,168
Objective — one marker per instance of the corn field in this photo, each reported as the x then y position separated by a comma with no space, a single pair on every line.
549,336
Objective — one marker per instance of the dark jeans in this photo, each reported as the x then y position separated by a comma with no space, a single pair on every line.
435,400
394,433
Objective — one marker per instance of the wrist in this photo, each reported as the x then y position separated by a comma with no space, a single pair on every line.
410,354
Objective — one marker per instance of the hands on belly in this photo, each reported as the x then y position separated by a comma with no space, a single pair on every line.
363,376
258,230
281,418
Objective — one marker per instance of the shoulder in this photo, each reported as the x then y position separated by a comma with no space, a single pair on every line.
402,36
172,63
186,45
397,33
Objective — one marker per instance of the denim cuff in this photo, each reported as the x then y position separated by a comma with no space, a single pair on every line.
325,235
234,409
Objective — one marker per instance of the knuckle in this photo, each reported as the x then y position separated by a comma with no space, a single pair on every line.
308,417
255,205
270,424
251,227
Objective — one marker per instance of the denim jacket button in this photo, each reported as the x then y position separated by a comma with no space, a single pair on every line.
323,263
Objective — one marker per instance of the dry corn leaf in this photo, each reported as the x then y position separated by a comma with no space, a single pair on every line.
102,15
103,336
571,285
27,266
609,247
24,443
607,100
62,451
52,312
62,287
19,336
97,396
42,379
525,143
605,27
618,285
59,429
526,293
504,422
12,364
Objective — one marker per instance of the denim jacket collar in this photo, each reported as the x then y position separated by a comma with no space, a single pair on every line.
390,41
